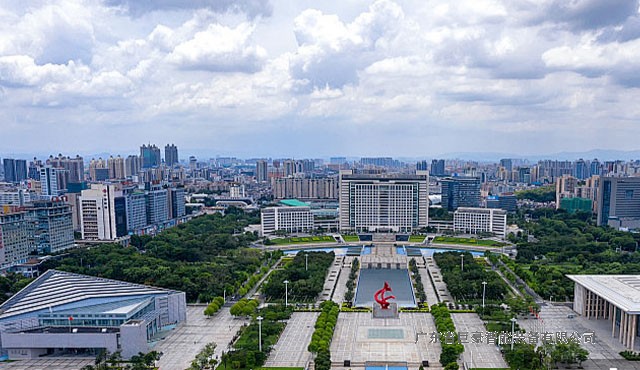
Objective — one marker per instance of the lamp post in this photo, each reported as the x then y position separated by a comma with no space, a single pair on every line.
513,322
286,292
259,318
306,261
484,290
462,262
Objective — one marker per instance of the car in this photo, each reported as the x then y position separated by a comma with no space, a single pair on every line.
570,316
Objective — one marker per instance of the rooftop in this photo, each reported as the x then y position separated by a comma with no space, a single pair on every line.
621,290
59,291
294,203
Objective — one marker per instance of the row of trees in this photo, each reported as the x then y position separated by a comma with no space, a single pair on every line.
526,356
244,307
444,324
417,281
306,278
351,283
202,257
321,338
141,361
465,283
214,306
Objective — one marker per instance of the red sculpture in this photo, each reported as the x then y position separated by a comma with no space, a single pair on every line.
381,299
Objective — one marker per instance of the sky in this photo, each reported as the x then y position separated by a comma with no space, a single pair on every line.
319,78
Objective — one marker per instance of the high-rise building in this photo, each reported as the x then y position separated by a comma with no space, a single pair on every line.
150,156
16,197
524,175
289,219
16,238
171,155
176,202
52,225
33,172
437,167
507,164
289,168
304,188
136,209
116,168
582,169
370,203
98,215
480,220
595,167
49,181
619,198
565,188
422,166
73,166
262,174
460,192
15,170
508,202
156,203
131,166
94,166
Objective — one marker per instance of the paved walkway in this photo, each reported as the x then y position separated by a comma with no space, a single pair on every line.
183,344
331,280
429,290
51,363
291,349
441,287
480,355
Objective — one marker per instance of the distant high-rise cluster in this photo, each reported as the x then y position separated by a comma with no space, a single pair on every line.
171,155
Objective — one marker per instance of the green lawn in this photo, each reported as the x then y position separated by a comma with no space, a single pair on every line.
416,238
304,239
281,368
350,238
467,241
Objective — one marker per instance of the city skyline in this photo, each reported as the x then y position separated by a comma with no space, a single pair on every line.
249,78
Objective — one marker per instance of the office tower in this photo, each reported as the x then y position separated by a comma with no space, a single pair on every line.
595,168
380,162
193,163
524,175
507,164
150,156
15,170
116,168
98,215
262,174
581,169
52,225
131,166
96,165
16,238
480,220
176,202
171,155
371,203
437,167
156,203
508,202
618,198
565,188
49,181
422,166
460,192
136,209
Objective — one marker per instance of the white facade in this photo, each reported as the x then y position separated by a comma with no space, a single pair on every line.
49,181
370,203
479,220
289,219
15,198
97,215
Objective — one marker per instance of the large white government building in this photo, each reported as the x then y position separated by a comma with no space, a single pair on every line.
63,313
292,219
383,203
615,298
480,220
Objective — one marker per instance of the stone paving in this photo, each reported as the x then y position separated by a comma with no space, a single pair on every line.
49,363
358,337
331,280
182,345
432,298
291,349
441,287
481,355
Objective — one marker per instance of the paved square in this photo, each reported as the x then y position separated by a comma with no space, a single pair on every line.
481,355
291,349
50,363
351,340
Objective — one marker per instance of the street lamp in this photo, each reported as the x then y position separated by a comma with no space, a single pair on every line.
513,322
259,318
286,292
484,290
462,262
306,261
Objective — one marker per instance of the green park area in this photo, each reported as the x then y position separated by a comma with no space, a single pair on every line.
467,241
350,238
303,240
416,238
